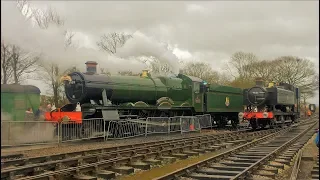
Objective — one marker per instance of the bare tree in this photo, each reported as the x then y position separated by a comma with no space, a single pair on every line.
69,36
296,71
112,41
25,8
44,18
50,74
22,63
16,63
105,71
127,73
239,65
201,70
47,17
262,69
155,65
6,70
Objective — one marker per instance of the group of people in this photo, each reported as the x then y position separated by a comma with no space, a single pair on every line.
39,114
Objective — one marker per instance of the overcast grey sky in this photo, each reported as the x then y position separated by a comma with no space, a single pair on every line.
210,31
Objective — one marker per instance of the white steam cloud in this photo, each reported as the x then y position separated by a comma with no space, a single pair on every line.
50,43
141,45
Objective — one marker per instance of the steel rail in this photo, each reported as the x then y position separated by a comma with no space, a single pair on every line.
95,166
223,155
169,148
10,172
272,154
110,162
296,167
38,159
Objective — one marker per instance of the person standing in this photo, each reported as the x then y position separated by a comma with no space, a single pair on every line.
317,139
29,116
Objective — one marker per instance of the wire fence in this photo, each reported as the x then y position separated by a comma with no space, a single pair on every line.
15,133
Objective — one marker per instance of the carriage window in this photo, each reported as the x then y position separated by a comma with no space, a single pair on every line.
196,87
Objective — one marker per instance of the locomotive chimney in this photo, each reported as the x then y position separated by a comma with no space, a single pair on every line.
91,67
259,82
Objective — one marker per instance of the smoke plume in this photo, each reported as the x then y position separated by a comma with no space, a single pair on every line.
50,43
141,45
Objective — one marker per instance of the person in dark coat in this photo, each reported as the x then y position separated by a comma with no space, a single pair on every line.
317,139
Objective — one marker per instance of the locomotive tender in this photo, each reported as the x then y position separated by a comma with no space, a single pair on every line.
274,105
116,97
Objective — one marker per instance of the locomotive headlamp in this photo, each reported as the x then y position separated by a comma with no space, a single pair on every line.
265,115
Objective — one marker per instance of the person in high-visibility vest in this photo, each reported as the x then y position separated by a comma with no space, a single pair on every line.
309,113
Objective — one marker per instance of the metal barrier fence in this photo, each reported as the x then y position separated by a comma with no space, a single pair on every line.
189,124
205,121
175,124
156,125
28,132
121,129
88,129
40,132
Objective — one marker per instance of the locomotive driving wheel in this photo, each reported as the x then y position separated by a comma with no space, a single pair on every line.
281,121
272,123
254,124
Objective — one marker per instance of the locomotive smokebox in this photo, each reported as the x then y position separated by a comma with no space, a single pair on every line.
91,67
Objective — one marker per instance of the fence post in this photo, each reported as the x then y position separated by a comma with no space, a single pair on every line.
104,129
110,122
9,129
180,125
146,131
210,122
199,125
169,125
59,126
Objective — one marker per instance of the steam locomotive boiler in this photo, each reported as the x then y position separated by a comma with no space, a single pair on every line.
271,106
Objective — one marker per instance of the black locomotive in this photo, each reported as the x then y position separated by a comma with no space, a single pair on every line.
277,104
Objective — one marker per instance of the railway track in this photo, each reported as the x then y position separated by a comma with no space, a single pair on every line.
315,170
18,159
106,162
252,158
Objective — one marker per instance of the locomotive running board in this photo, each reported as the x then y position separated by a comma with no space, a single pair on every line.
110,114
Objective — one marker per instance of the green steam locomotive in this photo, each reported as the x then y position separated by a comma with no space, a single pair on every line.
116,97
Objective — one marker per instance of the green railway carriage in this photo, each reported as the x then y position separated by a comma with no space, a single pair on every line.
113,97
16,99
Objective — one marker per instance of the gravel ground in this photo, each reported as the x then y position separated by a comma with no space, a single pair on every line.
33,151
